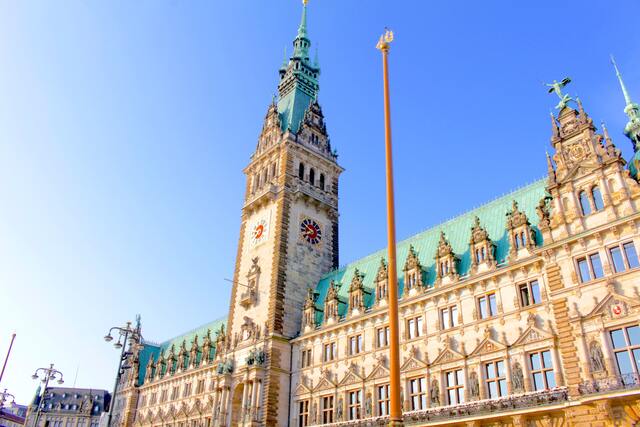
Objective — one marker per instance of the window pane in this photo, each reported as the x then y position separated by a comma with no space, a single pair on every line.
617,337
538,381
454,316
616,256
535,361
491,373
624,362
584,203
597,198
500,368
460,396
459,377
450,380
535,292
634,335
524,295
452,397
546,356
636,358
596,265
583,269
632,256
503,387
492,304
551,379
493,390
482,302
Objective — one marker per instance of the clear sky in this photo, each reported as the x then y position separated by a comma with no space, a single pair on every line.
124,127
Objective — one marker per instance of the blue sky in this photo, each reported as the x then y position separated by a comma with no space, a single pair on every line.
124,127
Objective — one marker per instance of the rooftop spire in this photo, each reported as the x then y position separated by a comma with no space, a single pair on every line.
627,98
302,29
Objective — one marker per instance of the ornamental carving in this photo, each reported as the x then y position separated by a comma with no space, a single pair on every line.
474,386
516,218
382,283
434,393
517,378
596,357
412,262
444,247
331,302
543,210
356,292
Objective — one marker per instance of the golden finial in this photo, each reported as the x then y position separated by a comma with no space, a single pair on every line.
385,40
304,2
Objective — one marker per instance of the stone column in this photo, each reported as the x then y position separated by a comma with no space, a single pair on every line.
607,351
245,399
224,405
583,356
507,373
526,372
481,381
254,400
557,369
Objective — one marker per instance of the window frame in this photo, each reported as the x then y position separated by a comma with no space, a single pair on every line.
382,402
487,304
528,286
451,318
498,379
305,358
358,340
303,412
333,351
418,395
384,329
414,327
622,248
543,370
354,408
632,350
588,259
327,412
457,388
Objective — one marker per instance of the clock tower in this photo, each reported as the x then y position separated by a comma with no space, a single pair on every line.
288,234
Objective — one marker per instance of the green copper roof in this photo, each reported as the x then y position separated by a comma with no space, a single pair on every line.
458,232
152,350
298,85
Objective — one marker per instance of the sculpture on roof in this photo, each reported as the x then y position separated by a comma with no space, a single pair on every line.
557,88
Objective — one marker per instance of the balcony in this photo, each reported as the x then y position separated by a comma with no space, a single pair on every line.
554,396
609,384
248,298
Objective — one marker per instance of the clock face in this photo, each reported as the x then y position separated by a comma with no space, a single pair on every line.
310,231
259,231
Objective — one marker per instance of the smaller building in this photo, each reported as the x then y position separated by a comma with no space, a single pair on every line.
13,416
68,407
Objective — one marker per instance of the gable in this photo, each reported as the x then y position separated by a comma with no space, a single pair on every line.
302,389
350,378
379,371
488,345
324,384
447,355
531,334
614,306
412,363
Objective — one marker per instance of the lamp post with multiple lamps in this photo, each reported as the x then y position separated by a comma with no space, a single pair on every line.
134,337
45,375
5,396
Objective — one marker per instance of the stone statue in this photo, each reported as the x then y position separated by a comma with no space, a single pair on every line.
474,385
260,358
339,410
368,405
435,393
517,377
543,211
557,88
596,356
314,413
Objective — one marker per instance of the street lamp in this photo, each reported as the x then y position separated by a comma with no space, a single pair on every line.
134,338
45,375
4,396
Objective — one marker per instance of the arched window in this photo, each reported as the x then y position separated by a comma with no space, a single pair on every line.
523,239
312,176
273,169
517,239
322,181
301,171
477,255
597,198
483,254
584,203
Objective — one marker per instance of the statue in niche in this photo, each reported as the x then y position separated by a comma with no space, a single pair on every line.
368,405
435,393
517,378
339,410
474,385
314,412
596,356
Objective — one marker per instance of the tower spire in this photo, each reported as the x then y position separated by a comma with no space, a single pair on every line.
627,98
302,29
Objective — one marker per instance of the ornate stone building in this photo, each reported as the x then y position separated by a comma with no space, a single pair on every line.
522,312
68,407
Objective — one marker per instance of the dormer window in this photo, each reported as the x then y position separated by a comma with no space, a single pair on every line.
381,280
331,303
309,311
445,261
598,204
584,203
356,293
412,272
480,246
521,236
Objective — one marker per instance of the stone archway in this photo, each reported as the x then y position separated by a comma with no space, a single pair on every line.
236,405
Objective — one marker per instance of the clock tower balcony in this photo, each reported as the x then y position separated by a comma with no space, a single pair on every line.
262,196
314,194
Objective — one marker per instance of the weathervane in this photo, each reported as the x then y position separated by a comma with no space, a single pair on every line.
557,88
385,40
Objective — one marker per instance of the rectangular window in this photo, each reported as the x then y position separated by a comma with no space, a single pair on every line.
329,351
187,390
590,267
163,396
174,393
418,393
303,413
327,409
355,401
542,370
495,379
626,348
305,358
487,306
382,336
455,387
200,387
530,293
414,327
355,344
383,399
153,398
623,257
449,317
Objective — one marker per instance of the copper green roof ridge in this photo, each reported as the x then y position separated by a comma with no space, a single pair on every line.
446,222
219,321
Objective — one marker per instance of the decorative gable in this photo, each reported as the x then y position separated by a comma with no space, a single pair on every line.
325,383
521,235
530,335
614,306
412,362
446,355
487,345
351,376
309,311
356,293
302,387
379,371
331,303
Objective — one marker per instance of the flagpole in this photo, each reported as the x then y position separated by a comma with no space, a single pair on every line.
395,412
6,359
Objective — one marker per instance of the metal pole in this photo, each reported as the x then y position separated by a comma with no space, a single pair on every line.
13,337
395,412
115,386
44,393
